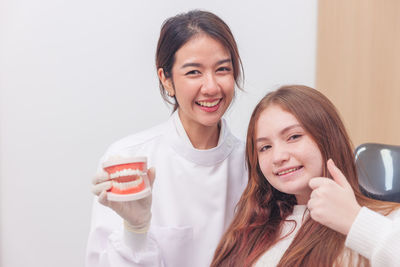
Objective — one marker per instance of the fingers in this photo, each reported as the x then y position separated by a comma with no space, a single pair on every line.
103,198
315,211
100,183
321,187
337,174
151,173
314,194
318,182
100,177
310,204
100,187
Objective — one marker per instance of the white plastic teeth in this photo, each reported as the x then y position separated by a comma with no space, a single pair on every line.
208,104
125,172
287,171
128,185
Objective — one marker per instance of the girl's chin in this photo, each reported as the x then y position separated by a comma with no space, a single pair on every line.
299,192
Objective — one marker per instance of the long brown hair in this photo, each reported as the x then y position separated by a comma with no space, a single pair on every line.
178,30
262,210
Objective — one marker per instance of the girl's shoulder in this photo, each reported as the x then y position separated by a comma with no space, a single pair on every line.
395,213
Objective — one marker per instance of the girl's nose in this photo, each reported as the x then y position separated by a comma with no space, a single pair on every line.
280,155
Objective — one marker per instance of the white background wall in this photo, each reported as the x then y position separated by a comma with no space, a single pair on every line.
77,75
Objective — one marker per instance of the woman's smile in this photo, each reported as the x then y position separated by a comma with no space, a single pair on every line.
209,105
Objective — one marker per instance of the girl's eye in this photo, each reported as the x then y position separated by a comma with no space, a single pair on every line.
264,148
192,72
295,136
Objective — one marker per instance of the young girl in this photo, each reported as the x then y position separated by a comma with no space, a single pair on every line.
302,205
200,165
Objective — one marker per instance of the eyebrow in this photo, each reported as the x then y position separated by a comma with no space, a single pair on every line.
193,64
284,130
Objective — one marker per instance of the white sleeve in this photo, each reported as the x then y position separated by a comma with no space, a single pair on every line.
110,245
376,237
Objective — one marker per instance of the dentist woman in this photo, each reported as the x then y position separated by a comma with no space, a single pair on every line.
200,165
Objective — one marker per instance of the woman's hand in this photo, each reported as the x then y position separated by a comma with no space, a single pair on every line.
136,212
332,201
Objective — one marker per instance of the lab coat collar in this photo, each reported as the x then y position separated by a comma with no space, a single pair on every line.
180,142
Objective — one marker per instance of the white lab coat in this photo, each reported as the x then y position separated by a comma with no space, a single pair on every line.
194,197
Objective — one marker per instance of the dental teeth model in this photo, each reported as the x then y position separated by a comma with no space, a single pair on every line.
128,177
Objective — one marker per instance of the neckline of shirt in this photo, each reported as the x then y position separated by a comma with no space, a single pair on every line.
299,214
182,132
180,142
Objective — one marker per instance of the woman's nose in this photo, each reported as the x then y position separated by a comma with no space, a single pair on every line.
210,85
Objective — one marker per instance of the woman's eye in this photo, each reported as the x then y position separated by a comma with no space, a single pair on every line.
295,136
224,69
192,72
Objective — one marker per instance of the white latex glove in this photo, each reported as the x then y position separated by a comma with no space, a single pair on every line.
332,201
136,213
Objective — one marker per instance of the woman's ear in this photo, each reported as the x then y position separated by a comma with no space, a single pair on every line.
166,82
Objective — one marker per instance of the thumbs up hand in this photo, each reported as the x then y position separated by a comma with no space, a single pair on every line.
332,201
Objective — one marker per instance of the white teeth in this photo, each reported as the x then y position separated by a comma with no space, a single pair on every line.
128,185
125,172
208,104
287,171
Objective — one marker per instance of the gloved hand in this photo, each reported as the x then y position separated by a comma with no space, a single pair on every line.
136,213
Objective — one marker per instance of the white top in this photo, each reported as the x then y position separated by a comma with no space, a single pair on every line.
376,237
273,255
194,196
372,235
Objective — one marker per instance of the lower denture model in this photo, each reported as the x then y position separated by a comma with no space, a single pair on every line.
128,177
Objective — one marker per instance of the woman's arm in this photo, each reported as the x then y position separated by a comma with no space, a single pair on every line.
111,244
118,234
